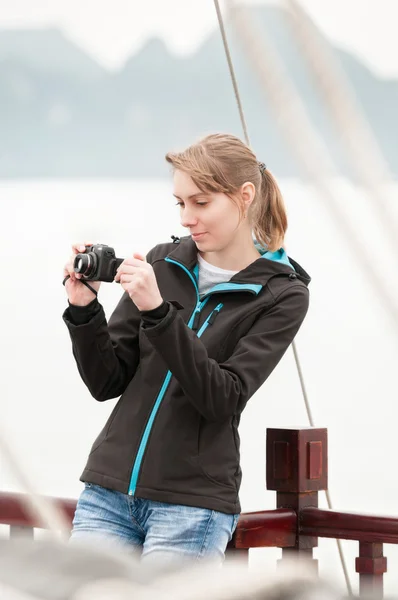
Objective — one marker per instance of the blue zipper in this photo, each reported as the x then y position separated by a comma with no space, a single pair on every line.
144,439
208,321
199,306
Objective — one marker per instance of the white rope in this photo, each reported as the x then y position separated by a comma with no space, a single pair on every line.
358,141
232,72
255,54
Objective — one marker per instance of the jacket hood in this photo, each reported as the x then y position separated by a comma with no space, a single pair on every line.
258,272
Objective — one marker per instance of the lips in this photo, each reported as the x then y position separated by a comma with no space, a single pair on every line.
197,236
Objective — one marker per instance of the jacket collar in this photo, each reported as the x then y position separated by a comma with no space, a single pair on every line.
258,272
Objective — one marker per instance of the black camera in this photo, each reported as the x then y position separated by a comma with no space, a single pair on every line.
97,263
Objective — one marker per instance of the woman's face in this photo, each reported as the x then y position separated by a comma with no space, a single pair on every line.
211,218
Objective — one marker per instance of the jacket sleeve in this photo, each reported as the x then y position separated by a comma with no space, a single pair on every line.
107,354
220,390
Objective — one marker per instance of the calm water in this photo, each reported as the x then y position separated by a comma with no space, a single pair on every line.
348,345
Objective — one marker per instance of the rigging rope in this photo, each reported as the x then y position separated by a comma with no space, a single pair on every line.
295,352
358,139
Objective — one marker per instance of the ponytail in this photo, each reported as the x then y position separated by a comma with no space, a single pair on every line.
269,213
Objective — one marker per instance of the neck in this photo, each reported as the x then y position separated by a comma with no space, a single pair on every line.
238,255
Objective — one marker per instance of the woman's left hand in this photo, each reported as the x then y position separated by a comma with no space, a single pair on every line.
139,281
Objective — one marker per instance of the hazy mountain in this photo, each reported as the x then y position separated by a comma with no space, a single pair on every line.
61,114
47,51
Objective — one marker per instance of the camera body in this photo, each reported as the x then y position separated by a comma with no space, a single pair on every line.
97,263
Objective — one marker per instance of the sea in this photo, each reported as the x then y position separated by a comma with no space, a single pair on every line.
347,345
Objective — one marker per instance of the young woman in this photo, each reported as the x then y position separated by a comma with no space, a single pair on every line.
203,322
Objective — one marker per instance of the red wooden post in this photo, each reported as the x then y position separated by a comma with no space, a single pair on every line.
371,564
297,471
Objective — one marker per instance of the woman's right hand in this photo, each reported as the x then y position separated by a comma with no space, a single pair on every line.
78,293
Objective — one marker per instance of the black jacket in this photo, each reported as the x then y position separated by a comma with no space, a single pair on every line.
184,377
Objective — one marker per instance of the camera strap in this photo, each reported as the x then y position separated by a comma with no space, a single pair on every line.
82,281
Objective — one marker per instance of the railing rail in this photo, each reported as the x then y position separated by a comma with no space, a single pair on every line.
349,526
266,529
297,471
13,510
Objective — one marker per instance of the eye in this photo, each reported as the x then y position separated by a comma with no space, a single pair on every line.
197,203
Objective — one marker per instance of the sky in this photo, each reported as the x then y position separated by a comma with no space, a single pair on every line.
111,30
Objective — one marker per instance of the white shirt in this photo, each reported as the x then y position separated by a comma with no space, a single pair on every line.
209,276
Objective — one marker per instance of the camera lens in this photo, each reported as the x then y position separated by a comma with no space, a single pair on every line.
85,264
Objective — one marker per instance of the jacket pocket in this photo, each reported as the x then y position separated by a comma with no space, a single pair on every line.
217,457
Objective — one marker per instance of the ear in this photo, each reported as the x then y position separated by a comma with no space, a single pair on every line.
248,192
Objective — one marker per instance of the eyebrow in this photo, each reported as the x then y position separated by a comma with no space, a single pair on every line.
192,195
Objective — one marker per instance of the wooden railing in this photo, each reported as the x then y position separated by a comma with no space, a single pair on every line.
297,471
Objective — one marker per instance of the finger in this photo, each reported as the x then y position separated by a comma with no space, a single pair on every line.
133,278
125,285
139,256
76,248
129,269
134,262
123,269
71,272
128,273
125,278
67,272
80,247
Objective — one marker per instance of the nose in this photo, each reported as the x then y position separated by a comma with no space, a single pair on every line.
188,217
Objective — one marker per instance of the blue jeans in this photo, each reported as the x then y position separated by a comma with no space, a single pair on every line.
161,533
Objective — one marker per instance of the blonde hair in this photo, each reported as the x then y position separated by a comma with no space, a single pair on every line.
223,163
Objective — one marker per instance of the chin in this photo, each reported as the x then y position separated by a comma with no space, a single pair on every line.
204,246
